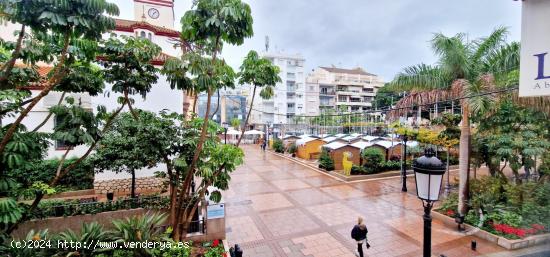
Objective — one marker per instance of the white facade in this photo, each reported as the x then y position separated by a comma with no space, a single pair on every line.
160,98
345,90
289,97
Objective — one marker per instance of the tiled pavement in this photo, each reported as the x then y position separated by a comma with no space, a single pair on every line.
276,207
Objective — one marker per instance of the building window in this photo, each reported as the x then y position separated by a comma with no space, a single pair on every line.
142,34
150,36
342,98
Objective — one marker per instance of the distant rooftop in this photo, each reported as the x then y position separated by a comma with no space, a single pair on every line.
357,71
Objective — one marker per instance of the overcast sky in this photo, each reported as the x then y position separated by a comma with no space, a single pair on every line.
382,36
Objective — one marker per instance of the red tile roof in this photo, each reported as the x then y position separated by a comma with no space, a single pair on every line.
131,26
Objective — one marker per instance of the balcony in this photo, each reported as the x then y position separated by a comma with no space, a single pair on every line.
327,92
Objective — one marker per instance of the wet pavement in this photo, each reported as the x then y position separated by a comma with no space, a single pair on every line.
277,207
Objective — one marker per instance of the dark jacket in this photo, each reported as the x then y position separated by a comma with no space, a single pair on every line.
359,234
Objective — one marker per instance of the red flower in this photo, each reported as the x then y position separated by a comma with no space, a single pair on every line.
450,212
215,243
224,254
538,227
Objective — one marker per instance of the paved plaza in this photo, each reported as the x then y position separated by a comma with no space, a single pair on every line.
276,207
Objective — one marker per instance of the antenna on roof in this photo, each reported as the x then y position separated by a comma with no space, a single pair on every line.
266,44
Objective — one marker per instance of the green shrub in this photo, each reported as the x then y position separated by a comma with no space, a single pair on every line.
391,165
325,162
278,146
373,158
81,177
358,170
292,149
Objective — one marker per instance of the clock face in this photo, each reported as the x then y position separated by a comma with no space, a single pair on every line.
153,13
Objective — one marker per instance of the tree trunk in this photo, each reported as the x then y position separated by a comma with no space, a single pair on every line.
191,169
247,116
133,189
464,161
217,105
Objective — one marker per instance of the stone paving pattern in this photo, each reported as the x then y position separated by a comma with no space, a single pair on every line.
277,207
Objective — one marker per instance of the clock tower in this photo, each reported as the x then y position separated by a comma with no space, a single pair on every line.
156,12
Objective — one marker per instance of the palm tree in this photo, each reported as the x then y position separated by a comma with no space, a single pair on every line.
464,69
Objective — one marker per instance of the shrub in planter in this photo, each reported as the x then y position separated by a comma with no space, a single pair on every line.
374,159
358,170
325,162
278,146
292,149
391,165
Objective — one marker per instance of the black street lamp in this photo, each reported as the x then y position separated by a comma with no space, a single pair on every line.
428,174
405,138
225,127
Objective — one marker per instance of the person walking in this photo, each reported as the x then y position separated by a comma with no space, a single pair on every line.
359,234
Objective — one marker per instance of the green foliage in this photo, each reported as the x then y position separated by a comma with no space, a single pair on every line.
278,146
227,20
358,170
373,159
140,229
81,177
76,125
514,134
325,162
385,97
10,212
235,123
292,148
90,233
259,72
127,63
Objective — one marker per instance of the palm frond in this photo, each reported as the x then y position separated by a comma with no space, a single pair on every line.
485,46
454,55
419,77
503,60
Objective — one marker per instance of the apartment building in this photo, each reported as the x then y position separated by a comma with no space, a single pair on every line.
345,90
289,99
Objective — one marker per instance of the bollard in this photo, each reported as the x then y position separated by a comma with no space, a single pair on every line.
474,245
232,252
238,251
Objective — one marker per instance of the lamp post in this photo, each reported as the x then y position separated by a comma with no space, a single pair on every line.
225,127
428,174
405,138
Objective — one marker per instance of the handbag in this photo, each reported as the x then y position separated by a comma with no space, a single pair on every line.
368,245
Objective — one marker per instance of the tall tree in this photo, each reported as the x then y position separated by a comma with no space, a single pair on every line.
259,72
464,68
206,27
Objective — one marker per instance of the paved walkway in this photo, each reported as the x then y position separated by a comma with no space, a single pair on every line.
276,207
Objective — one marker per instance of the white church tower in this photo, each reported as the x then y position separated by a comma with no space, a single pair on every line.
155,12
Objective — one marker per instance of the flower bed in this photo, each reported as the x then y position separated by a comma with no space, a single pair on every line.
508,213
